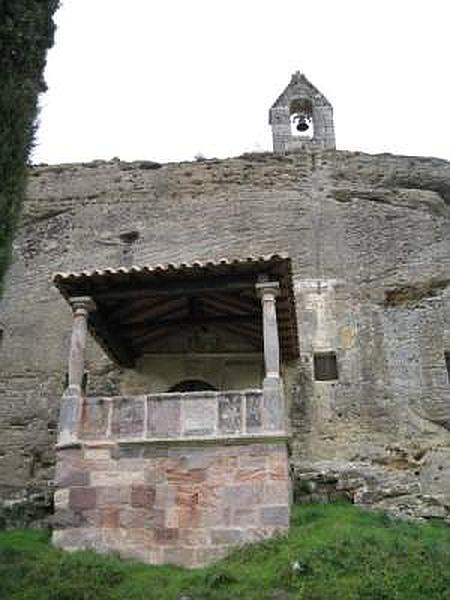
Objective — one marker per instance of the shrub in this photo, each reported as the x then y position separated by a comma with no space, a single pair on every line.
26,32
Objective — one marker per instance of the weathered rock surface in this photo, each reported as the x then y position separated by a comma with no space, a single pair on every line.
401,485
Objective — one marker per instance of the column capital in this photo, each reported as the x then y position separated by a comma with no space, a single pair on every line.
267,290
82,304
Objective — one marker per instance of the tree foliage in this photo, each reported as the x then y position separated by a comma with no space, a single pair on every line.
26,32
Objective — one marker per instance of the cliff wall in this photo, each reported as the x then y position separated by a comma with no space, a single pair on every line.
369,238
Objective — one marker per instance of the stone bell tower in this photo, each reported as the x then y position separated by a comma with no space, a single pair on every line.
301,117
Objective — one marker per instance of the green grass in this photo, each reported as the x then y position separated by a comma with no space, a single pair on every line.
341,553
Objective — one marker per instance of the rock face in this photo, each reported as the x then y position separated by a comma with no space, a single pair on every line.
369,241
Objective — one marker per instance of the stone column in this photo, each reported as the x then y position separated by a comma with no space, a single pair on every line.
81,307
71,402
268,291
272,389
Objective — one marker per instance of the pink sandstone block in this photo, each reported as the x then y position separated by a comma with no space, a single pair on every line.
82,498
128,417
94,418
166,535
70,477
164,417
277,516
142,496
109,496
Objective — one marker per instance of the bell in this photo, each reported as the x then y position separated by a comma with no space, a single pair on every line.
302,123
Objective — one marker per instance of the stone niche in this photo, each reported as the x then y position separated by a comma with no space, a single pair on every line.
173,478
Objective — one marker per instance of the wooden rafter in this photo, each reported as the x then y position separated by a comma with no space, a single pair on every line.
255,322
142,305
254,339
142,328
122,310
157,310
234,301
221,306
151,325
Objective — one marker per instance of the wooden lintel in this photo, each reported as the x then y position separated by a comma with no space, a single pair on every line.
182,287
145,342
153,324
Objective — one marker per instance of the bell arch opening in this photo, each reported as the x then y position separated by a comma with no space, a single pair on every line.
192,385
301,118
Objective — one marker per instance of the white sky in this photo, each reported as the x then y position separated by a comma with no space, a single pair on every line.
166,79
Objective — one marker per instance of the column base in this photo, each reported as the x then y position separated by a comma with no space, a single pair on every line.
273,398
70,415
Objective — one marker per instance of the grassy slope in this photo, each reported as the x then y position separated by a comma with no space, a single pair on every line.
342,553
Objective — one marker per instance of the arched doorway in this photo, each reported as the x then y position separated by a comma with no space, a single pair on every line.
192,385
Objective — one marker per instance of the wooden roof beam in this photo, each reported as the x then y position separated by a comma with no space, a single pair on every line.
224,305
254,339
151,324
160,311
184,287
127,310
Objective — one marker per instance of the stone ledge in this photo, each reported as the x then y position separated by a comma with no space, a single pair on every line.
206,441
276,437
68,445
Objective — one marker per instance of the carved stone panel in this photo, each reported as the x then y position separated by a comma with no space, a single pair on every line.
230,413
164,416
253,415
128,417
199,416
94,418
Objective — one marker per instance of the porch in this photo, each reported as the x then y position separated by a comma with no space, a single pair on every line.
181,474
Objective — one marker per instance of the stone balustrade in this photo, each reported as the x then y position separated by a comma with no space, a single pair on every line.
178,416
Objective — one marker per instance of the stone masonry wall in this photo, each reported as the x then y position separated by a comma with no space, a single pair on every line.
369,242
170,504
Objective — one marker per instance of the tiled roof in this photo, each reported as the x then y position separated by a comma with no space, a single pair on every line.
169,267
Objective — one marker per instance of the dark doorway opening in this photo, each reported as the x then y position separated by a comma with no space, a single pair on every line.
193,385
